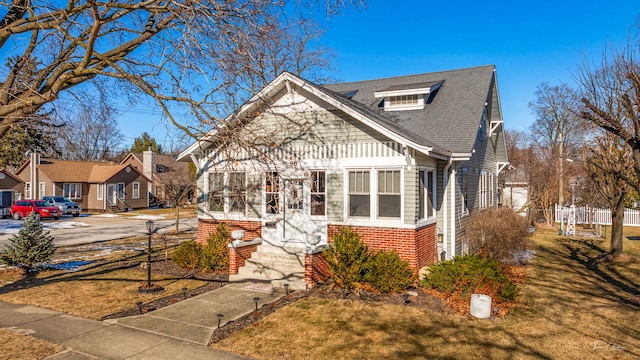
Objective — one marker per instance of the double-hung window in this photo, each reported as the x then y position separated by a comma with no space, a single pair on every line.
41,190
72,190
227,192
27,190
426,203
136,190
100,191
482,189
389,196
318,193
237,193
121,193
359,194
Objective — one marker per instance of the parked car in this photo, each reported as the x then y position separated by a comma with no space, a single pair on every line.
65,205
43,209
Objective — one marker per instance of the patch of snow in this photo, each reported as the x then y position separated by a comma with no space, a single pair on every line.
65,225
524,256
107,215
10,226
148,217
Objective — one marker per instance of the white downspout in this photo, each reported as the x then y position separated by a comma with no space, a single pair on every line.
452,251
445,211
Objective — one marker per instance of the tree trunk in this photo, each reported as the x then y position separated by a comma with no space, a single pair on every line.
617,226
177,218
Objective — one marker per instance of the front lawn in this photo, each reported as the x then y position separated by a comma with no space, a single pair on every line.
572,307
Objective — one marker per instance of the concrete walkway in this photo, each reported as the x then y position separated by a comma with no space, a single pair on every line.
179,331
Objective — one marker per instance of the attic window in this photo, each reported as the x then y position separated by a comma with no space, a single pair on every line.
407,96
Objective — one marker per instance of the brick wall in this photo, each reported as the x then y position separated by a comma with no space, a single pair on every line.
417,246
239,256
253,229
316,268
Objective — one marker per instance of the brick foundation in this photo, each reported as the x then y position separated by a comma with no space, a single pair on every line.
417,246
316,268
253,229
239,256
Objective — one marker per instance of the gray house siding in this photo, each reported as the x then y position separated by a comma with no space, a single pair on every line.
335,197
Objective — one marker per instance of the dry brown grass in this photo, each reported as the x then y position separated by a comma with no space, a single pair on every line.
21,347
572,307
98,289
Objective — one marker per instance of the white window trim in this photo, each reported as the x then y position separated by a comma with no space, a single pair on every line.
100,192
323,216
226,205
434,206
76,187
41,189
373,217
27,191
123,192
135,190
482,190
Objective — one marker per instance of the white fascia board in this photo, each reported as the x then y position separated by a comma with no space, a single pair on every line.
417,91
460,156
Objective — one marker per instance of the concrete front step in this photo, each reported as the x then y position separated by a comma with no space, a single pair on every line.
272,273
272,257
295,283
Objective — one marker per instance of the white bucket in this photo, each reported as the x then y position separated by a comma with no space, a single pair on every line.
480,306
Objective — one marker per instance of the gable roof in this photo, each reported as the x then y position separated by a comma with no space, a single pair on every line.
448,124
78,171
9,174
163,162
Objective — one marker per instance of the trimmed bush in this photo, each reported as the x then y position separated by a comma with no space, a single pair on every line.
498,233
348,258
30,248
388,273
215,255
187,255
468,274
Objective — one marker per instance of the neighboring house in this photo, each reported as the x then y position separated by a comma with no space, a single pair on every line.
402,160
515,190
163,169
10,191
96,186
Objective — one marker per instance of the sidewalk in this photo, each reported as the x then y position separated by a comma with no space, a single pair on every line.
179,331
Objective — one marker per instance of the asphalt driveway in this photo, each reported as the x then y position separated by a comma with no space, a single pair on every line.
93,228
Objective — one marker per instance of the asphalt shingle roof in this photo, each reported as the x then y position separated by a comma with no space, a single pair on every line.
449,122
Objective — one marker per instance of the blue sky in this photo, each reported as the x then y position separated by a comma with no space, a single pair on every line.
529,42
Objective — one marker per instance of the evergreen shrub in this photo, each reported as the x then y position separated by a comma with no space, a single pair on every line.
30,248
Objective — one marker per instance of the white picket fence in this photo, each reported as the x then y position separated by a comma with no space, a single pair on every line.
590,215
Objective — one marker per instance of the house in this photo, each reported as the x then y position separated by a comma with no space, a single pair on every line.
10,191
163,169
515,190
96,186
401,160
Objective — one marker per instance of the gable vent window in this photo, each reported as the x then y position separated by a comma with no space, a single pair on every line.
408,96
404,100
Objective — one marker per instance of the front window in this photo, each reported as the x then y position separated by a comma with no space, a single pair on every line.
465,190
72,190
359,196
216,192
136,190
389,198
318,193
41,190
272,192
100,191
237,192
27,190
228,190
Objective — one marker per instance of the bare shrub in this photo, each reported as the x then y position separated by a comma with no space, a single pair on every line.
498,233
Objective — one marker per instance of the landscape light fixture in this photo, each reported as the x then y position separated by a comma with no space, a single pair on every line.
184,292
148,288
286,288
139,305
219,316
256,299
405,297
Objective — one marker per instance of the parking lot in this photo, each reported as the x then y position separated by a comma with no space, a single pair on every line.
89,228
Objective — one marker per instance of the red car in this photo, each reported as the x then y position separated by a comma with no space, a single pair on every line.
43,209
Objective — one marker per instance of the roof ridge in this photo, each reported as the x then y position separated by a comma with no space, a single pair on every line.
407,76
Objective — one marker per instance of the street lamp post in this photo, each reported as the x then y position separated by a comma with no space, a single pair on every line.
148,288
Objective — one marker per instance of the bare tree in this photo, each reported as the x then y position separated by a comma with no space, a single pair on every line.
179,185
170,51
88,132
557,129
608,164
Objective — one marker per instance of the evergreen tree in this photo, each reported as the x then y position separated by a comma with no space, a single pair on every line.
146,142
30,248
